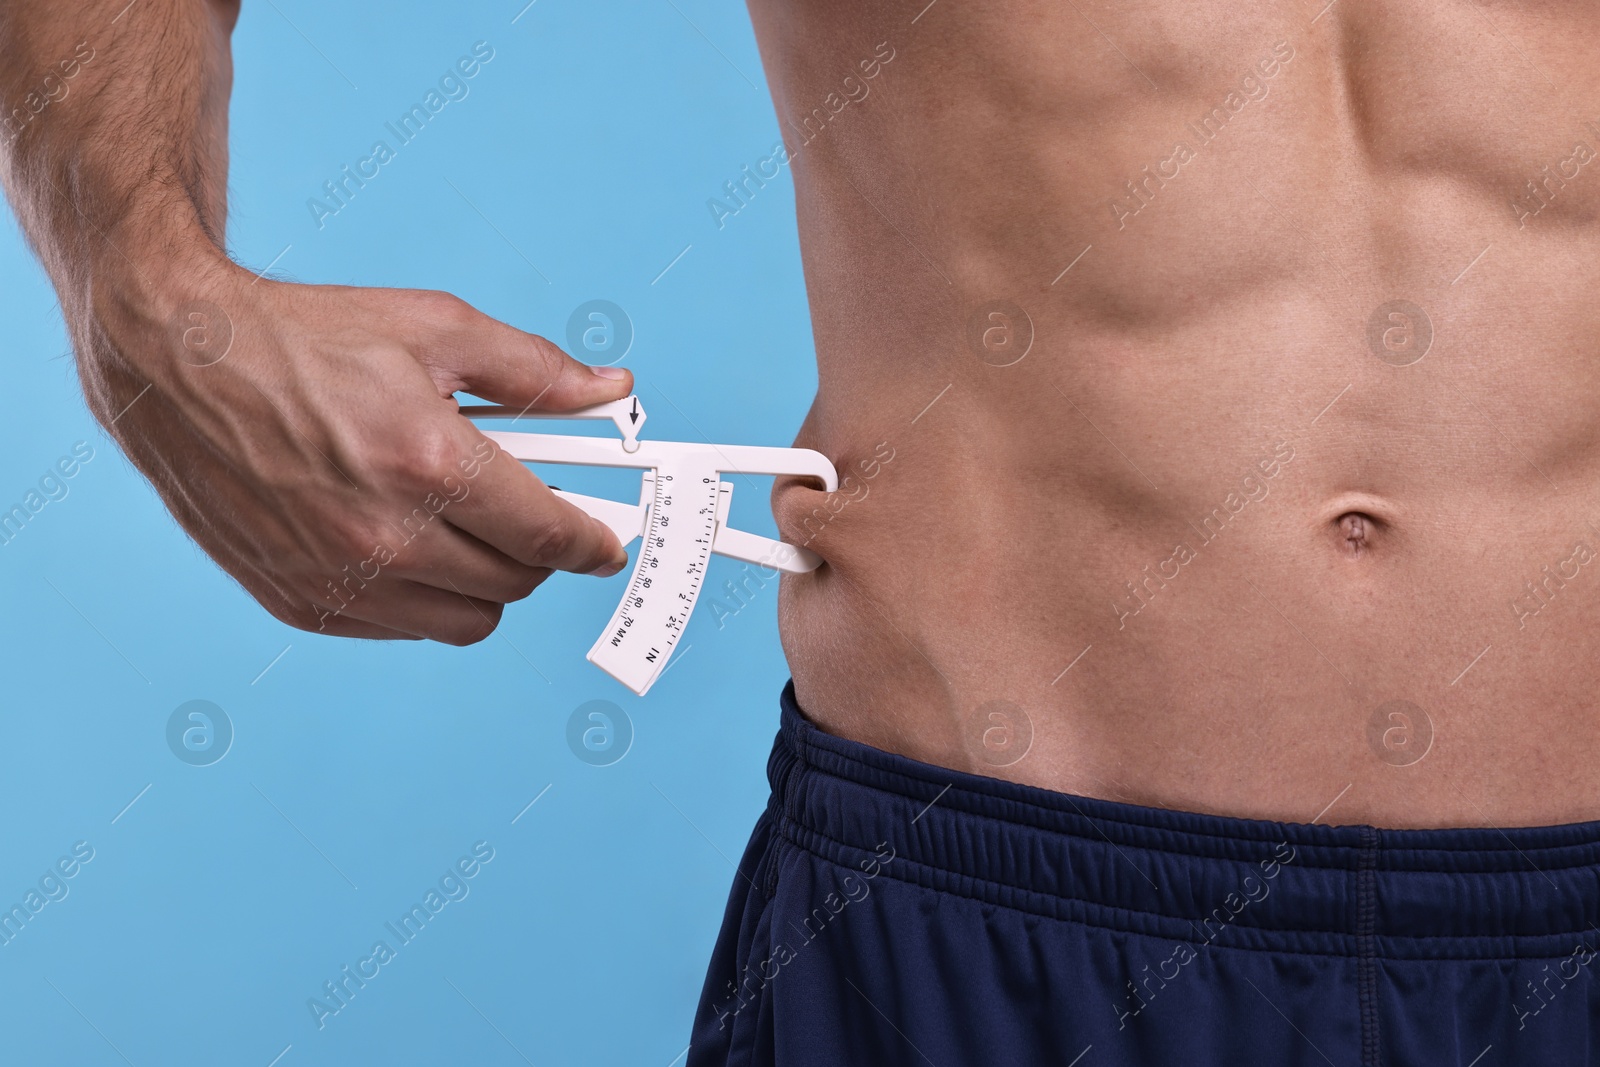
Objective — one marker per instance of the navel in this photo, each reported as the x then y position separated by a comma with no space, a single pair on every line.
1356,533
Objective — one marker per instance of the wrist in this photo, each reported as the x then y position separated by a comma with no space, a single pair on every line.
158,308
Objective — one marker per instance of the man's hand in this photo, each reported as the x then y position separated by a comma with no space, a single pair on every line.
306,437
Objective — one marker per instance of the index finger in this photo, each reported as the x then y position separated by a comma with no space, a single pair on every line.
504,504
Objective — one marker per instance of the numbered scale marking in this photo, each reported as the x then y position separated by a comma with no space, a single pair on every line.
666,582
682,517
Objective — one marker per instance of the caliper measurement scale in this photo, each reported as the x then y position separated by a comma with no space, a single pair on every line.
682,517
667,579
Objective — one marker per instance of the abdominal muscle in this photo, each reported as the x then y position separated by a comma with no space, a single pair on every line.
1246,468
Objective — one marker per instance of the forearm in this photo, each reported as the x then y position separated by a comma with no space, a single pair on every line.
301,434
113,151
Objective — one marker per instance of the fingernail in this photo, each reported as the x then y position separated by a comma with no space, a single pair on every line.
609,372
606,570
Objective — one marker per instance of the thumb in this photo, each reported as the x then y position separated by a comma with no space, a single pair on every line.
508,366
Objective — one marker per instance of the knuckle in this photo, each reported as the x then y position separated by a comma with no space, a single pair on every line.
552,361
308,616
470,626
423,460
289,612
552,355
519,587
444,309
280,598
314,607
552,539
346,540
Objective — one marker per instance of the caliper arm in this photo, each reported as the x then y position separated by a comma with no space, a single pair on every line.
628,521
626,414
682,516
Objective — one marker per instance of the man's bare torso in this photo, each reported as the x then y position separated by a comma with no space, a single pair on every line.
1218,397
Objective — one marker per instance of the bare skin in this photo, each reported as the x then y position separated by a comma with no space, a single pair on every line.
1217,323
1199,539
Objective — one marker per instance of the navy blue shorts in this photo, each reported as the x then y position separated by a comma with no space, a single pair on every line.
892,912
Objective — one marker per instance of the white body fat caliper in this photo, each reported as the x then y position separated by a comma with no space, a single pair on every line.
682,515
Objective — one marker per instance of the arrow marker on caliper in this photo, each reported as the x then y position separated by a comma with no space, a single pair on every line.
682,515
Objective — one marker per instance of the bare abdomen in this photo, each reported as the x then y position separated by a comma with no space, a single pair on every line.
1282,491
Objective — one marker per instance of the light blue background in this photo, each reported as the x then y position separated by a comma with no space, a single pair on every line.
225,896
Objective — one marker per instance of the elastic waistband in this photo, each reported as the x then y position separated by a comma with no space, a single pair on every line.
1478,893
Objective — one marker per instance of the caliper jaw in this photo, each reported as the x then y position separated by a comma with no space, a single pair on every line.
753,548
629,521
682,481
